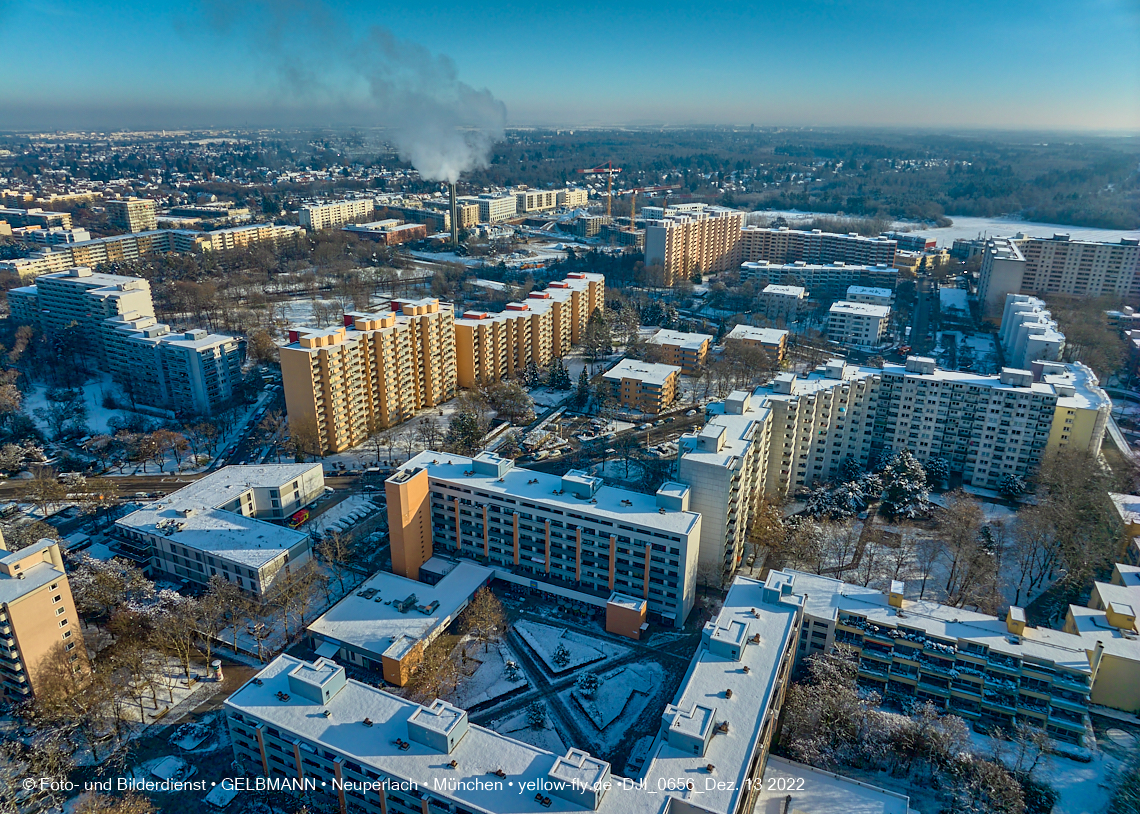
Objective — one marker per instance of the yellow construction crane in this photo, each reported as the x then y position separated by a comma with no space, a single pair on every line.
609,170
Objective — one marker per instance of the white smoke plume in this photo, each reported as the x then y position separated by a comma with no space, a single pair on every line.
438,123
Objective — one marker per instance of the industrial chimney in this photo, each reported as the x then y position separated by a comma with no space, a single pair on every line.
454,219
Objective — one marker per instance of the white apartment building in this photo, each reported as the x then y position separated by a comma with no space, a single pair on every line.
1036,265
871,295
782,245
52,236
536,200
376,752
828,281
494,208
570,531
214,526
858,324
189,373
782,301
132,214
80,297
336,214
802,429
1028,332
724,464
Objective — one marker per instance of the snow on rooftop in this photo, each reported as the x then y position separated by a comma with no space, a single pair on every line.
370,619
192,516
860,309
646,372
768,336
608,502
814,791
688,341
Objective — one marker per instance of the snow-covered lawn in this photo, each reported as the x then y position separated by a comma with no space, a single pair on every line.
544,640
518,728
489,681
93,392
617,688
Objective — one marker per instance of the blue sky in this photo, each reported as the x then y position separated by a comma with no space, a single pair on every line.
1001,63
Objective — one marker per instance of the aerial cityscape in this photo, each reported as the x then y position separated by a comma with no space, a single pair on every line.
723,414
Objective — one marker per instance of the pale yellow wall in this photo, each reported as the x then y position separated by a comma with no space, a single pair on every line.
1117,684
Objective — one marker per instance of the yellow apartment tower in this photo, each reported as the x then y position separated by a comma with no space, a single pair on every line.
493,346
374,372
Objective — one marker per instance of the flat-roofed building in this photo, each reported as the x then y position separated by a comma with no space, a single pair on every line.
782,302
343,383
828,281
218,526
871,295
643,386
1111,639
490,346
687,351
388,232
704,238
1002,270
1028,332
34,216
132,214
385,623
39,624
535,200
572,198
858,324
337,213
495,208
982,668
773,341
573,533
780,245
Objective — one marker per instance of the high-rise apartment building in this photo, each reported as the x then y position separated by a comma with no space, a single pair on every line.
705,238
1036,265
347,382
570,531
785,246
39,625
336,214
132,214
81,298
45,218
823,282
191,373
1028,332
492,346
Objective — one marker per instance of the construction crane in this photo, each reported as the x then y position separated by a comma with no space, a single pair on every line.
609,170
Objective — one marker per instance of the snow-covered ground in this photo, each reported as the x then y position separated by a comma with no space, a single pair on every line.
544,640
98,416
617,689
489,681
517,727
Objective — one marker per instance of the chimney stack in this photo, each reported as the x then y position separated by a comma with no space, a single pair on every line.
454,219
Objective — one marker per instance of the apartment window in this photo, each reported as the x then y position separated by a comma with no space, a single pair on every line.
70,646
54,585
67,635
60,611
63,623
57,598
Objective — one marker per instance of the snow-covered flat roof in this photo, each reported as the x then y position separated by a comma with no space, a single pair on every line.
191,516
709,676
826,597
541,488
33,577
869,291
863,309
796,291
1127,506
768,336
369,618
688,341
477,755
646,372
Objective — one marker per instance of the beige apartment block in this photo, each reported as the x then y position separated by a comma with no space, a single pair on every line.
771,340
338,213
705,239
492,346
536,200
573,197
39,626
132,214
376,371
687,351
643,386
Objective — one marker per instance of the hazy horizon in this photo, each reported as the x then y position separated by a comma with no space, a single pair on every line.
1018,66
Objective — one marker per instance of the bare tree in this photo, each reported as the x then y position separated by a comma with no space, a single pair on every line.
484,618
